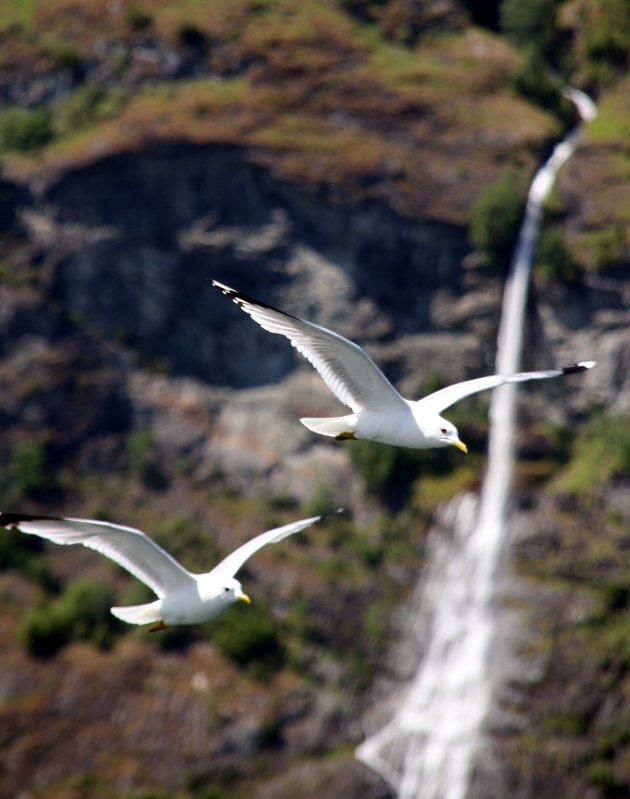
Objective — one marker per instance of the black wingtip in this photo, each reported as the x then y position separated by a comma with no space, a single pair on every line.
578,367
243,300
14,519
222,288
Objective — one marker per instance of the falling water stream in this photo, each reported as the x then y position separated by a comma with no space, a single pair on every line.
427,750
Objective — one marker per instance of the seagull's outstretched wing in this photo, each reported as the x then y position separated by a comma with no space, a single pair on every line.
446,397
347,370
130,548
230,565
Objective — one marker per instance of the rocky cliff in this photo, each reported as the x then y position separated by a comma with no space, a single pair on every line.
336,184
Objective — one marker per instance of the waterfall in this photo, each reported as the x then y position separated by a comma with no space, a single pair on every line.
428,748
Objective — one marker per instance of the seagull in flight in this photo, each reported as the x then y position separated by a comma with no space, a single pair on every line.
183,597
379,412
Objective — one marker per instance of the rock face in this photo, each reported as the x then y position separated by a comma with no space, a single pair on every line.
131,242
128,246
119,333
140,271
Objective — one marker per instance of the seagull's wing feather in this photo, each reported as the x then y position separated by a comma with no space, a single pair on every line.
445,397
230,565
347,370
130,548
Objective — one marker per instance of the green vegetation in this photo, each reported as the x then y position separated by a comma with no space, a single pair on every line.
605,38
143,464
24,553
189,543
17,15
554,259
529,22
249,636
27,475
600,452
25,129
322,500
291,67
388,473
610,246
533,80
138,20
85,106
80,614
495,218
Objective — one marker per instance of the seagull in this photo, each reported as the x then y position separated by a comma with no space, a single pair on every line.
183,597
379,412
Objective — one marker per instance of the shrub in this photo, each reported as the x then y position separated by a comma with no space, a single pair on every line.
42,632
532,80
65,56
25,129
388,473
24,554
191,36
531,21
138,20
554,260
142,464
496,217
610,246
27,470
187,542
81,614
375,463
248,635
607,35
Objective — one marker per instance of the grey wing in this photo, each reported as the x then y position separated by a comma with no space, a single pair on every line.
130,548
230,565
445,397
347,370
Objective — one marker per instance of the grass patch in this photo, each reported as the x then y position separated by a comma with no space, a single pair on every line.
18,15
600,452
612,123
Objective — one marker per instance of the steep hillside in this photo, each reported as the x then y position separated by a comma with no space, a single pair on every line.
327,158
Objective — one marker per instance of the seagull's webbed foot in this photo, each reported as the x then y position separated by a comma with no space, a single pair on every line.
345,437
159,625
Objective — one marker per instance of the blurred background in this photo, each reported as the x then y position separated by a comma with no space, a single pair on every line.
363,165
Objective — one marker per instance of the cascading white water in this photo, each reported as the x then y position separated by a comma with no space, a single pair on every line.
427,750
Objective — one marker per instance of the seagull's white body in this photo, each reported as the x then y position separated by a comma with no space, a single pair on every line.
400,426
183,597
379,412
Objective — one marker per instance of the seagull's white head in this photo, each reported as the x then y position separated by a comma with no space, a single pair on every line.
445,434
230,590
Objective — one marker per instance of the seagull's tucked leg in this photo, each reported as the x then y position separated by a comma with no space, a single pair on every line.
345,437
339,427
159,625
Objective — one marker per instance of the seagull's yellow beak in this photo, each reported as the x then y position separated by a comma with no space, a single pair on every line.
460,445
244,598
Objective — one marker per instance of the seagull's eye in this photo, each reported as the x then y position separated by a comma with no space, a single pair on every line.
443,430
226,590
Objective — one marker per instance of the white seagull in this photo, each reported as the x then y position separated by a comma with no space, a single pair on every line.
183,597
379,412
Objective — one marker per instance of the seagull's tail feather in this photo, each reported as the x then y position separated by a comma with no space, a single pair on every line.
140,614
331,426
